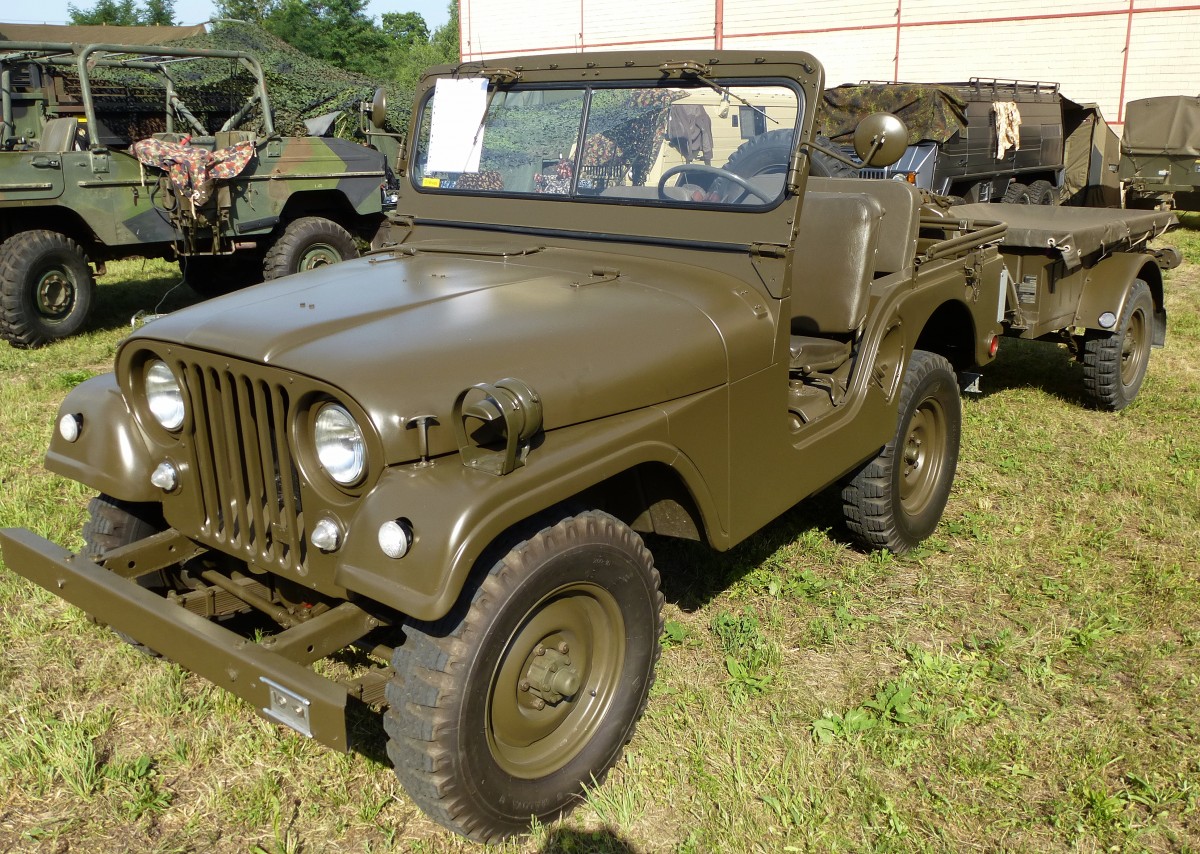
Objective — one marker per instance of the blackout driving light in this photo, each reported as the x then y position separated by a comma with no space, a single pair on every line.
166,476
395,538
326,535
1108,320
164,395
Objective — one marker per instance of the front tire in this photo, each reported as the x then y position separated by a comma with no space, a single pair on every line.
46,288
1115,363
525,694
1017,194
897,499
308,243
113,523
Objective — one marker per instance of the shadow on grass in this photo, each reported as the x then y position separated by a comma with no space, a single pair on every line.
565,840
693,574
155,291
1034,364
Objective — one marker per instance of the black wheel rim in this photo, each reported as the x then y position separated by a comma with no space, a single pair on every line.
922,456
54,294
530,733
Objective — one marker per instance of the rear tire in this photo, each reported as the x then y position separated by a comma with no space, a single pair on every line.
768,154
308,243
1016,194
113,523
896,500
1042,193
46,288
1115,363
508,708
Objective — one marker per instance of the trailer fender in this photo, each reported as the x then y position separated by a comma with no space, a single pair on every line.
1107,286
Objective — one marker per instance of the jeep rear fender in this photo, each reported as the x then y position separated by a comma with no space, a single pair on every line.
1106,287
455,513
110,454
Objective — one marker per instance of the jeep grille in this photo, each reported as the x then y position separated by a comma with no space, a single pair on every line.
248,482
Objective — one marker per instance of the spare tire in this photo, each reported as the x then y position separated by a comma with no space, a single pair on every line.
768,154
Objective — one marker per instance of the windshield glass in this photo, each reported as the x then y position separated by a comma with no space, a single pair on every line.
668,145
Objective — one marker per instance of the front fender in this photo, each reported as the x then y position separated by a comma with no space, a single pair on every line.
1106,287
110,454
455,513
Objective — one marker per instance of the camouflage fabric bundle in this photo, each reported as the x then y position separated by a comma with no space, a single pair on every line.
931,111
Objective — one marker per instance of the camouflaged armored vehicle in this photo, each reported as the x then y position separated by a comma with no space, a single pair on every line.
73,193
446,454
1160,148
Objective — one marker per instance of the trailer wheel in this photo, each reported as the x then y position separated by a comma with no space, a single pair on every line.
507,708
897,499
113,523
1016,194
1042,193
308,243
1115,363
46,288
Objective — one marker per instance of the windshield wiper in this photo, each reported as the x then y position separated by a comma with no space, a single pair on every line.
699,72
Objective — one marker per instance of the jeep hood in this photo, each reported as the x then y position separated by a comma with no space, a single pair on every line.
403,335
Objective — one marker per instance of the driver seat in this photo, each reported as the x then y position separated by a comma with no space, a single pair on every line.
833,266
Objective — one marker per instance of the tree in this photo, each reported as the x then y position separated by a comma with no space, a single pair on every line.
405,29
124,13
253,11
335,31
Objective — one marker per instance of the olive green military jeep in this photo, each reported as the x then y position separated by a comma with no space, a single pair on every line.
445,454
73,193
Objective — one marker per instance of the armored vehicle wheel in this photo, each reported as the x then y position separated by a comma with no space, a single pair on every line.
897,499
46,288
1114,363
507,707
306,243
768,154
212,276
1017,194
113,523
1042,193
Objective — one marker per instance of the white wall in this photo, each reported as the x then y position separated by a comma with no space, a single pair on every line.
1108,51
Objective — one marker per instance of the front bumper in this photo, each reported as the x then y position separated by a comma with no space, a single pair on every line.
277,688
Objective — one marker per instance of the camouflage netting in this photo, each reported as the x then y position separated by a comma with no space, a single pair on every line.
931,111
130,102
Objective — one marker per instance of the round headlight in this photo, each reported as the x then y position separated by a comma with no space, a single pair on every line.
164,395
340,446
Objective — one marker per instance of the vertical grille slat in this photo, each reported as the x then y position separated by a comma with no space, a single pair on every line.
259,530
234,469
209,493
289,488
246,476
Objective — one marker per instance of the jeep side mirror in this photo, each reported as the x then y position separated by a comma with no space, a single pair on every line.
880,139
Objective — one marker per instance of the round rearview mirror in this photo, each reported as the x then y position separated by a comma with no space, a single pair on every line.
379,109
880,139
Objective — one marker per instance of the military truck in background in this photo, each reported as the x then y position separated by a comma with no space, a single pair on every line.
446,453
986,140
1160,148
74,195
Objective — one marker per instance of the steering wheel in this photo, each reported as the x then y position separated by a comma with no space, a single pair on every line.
732,177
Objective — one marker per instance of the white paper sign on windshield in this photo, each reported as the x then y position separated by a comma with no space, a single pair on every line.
456,129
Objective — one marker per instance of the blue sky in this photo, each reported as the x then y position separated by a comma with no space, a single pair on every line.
197,11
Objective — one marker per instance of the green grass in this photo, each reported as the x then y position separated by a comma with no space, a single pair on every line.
1027,680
